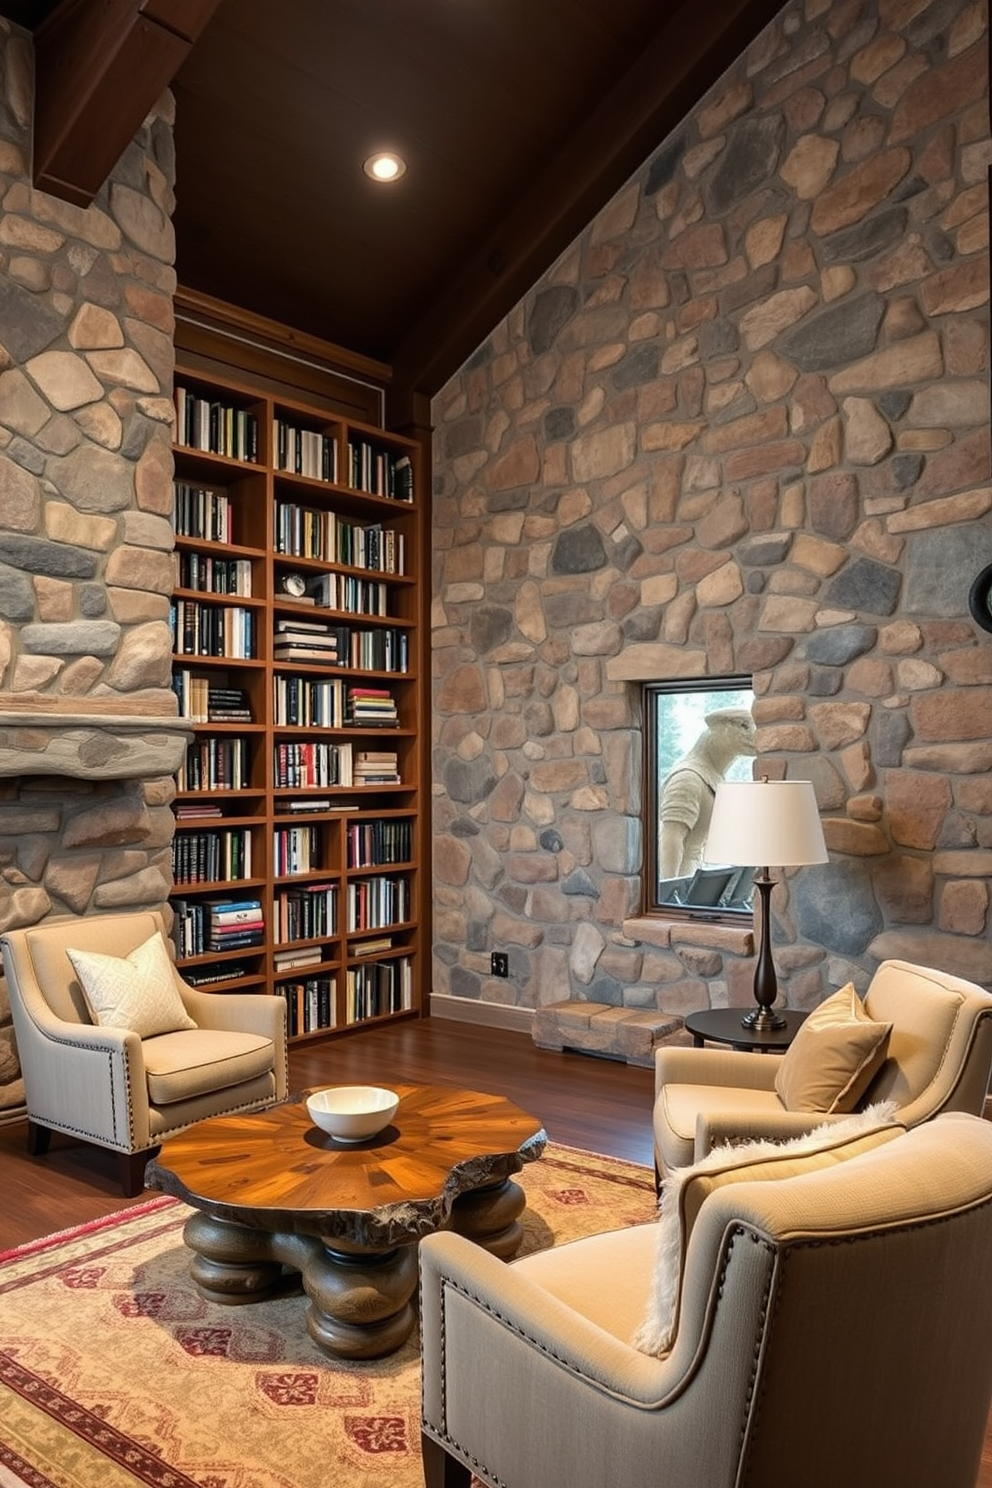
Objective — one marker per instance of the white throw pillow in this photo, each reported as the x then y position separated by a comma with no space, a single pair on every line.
138,991
685,1189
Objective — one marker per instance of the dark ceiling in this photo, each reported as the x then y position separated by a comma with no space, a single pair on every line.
518,120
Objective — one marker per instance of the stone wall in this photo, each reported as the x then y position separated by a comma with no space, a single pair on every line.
741,426
86,364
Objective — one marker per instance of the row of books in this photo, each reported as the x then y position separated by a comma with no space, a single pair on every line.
382,840
212,575
215,764
309,1005
305,451
385,649
375,903
200,629
309,702
211,856
374,468
303,532
313,764
201,699
204,925
219,428
381,987
202,513
348,593
295,850
305,913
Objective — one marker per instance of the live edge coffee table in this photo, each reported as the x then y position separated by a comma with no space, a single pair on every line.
272,1191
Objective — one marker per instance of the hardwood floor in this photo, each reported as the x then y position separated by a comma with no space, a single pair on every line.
596,1104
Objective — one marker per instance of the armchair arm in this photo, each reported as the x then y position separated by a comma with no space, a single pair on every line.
715,1128
738,1068
82,1079
243,1012
508,1309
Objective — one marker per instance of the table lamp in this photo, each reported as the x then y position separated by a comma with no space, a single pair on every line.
765,821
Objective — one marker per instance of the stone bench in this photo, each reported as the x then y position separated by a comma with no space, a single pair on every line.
615,1032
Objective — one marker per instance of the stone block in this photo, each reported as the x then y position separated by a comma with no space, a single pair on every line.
620,1033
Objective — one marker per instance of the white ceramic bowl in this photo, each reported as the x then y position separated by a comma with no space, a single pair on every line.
352,1113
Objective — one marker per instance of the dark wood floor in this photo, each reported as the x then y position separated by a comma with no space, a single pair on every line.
595,1104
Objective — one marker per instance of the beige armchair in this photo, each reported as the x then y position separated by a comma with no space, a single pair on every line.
834,1329
110,1086
939,1058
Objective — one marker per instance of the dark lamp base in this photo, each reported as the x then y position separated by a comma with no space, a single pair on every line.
762,1020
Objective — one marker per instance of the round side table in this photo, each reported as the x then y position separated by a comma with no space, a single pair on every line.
723,1026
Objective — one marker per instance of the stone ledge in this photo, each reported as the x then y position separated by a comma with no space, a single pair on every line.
599,1028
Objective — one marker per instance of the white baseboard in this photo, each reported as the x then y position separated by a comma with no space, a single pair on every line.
486,1014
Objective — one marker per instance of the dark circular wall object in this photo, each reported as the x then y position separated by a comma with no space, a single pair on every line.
980,599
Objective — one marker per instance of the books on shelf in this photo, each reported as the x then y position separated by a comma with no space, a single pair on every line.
204,702
377,902
211,855
200,629
309,1005
373,707
217,427
210,575
215,764
301,956
301,532
377,988
304,451
376,468
305,912
313,763
379,841
376,767
201,512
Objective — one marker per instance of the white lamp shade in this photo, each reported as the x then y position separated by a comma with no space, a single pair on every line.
765,823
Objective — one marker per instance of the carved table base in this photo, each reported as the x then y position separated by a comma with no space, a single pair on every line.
361,1299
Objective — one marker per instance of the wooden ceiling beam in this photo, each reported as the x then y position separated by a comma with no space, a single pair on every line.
100,66
691,49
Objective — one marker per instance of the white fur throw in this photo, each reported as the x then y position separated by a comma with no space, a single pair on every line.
656,1333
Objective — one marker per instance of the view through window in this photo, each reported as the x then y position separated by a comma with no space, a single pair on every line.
697,734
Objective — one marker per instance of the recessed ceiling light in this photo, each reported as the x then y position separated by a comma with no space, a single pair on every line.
384,166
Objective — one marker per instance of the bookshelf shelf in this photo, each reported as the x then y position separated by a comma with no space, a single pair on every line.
299,653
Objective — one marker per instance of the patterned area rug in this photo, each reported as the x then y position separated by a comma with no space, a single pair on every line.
114,1372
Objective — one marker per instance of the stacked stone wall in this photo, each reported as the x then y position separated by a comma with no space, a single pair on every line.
741,426
86,361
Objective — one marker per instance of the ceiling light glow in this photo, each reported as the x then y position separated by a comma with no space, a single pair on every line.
384,166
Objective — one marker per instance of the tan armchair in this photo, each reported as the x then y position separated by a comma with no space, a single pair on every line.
939,1058
109,1086
834,1329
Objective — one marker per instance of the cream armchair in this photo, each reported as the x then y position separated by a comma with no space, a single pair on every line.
107,1085
939,1058
834,1329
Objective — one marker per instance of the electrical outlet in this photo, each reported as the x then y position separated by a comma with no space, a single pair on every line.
499,964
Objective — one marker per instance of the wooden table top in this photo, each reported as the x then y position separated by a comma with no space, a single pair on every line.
275,1170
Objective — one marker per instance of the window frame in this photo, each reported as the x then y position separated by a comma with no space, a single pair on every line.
651,906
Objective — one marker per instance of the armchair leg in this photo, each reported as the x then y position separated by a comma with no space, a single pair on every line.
440,1469
39,1138
131,1171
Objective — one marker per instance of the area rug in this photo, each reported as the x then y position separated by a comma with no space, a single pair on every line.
115,1372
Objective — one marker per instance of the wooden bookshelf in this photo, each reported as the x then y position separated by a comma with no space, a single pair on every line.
298,649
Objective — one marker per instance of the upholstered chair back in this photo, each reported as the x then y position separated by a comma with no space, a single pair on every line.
940,1047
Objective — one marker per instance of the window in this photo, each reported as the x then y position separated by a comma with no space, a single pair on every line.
697,733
